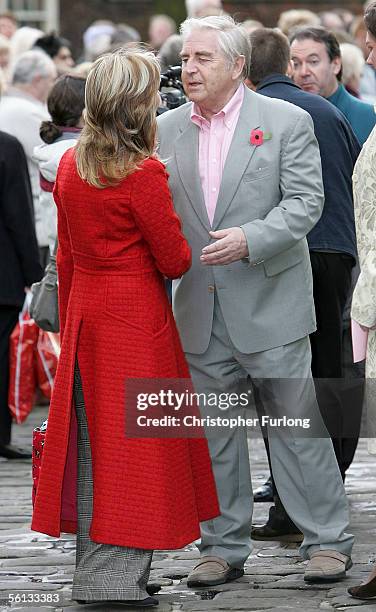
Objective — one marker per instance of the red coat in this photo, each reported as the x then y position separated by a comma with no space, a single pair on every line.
115,245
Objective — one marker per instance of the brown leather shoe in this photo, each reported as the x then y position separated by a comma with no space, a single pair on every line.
327,566
211,571
366,590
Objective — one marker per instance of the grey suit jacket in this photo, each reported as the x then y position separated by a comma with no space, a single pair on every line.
274,192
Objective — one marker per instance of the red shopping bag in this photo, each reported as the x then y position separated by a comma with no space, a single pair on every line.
39,435
46,363
22,375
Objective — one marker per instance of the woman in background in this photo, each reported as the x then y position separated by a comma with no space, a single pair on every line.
66,102
118,237
363,309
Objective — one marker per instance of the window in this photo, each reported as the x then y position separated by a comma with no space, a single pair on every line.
43,14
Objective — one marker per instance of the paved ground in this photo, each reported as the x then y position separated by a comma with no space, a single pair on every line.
36,571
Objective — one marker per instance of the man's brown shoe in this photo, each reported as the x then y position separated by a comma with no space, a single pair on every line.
327,566
211,571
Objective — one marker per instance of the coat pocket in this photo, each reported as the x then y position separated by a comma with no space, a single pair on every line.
257,174
138,304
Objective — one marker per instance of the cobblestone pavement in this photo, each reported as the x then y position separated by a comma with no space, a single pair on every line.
36,571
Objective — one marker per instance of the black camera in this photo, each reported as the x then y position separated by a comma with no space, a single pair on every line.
171,89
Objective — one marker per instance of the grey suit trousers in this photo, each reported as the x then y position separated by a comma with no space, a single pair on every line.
305,468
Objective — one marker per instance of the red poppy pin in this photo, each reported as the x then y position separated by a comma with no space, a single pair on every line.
259,136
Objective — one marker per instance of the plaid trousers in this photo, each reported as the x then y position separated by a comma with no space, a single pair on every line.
103,571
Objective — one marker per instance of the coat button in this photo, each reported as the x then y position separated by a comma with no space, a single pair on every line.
211,288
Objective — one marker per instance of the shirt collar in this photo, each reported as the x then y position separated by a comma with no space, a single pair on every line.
337,94
230,112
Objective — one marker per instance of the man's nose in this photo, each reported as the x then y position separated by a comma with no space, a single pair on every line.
304,69
190,66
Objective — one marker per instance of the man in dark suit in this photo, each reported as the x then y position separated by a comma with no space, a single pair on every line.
332,245
316,58
19,266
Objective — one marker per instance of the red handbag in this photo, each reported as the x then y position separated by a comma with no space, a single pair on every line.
39,436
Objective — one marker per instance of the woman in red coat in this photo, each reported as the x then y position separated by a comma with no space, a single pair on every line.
118,237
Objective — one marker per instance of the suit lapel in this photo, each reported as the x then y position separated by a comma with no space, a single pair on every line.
240,153
186,151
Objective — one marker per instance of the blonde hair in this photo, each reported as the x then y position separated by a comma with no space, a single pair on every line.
120,116
295,18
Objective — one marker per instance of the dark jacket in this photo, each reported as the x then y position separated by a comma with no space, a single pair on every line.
339,149
19,255
360,115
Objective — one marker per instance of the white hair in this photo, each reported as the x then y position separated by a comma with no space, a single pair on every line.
352,62
97,39
23,40
233,39
30,65
193,7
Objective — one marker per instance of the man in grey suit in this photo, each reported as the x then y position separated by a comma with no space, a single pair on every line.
245,176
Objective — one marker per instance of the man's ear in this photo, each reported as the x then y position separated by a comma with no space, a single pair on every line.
238,67
37,80
290,69
337,65
250,85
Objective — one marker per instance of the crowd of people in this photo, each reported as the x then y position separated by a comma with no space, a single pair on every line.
265,223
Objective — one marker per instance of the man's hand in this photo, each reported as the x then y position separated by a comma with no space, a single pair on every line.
230,246
366,329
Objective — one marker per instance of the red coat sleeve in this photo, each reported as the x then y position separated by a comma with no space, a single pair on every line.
64,261
154,214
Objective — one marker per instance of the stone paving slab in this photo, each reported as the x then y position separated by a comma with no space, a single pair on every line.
28,609
35,566
269,594
365,608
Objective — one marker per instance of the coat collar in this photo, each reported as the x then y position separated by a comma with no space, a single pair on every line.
339,95
276,78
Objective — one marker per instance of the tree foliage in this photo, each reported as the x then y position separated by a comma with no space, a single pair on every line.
175,9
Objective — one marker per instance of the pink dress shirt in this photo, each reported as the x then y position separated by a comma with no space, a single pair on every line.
215,138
